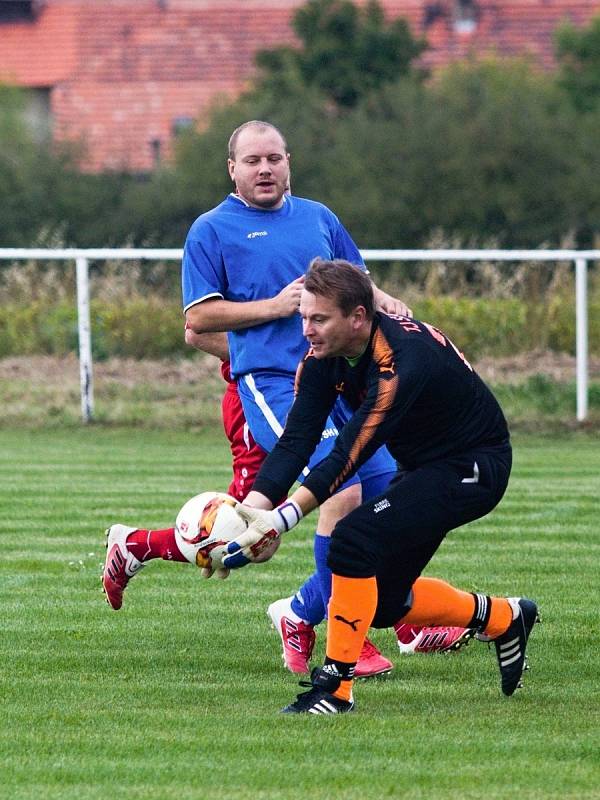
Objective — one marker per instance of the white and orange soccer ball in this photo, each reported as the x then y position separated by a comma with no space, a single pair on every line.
206,524
204,527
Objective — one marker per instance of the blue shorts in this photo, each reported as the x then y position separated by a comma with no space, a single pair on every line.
267,398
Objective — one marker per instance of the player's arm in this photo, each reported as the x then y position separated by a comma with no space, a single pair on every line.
315,397
265,526
390,305
213,343
204,283
216,314
314,400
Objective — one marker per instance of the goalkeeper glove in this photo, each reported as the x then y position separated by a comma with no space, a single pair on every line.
220,572
263,528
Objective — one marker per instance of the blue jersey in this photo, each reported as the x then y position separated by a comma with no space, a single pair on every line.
240,253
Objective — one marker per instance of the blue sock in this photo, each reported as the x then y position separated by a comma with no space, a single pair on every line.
307,603
323,571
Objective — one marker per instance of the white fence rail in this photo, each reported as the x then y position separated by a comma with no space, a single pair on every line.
82,257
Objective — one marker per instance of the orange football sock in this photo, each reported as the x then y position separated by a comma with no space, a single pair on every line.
436,602
351,610
500,617
345,690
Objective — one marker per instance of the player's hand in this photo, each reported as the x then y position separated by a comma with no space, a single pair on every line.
264,528
287,301
391,305
220,572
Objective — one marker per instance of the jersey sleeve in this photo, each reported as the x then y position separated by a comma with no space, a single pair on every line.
202,271
314,400
343,244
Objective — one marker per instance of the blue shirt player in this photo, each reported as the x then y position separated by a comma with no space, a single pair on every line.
242,275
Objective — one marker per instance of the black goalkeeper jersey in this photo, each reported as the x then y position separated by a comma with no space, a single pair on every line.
411,390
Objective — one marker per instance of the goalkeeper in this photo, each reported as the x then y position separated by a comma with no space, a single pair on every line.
413,391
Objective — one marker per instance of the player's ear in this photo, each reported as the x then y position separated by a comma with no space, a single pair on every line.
231,168
359,314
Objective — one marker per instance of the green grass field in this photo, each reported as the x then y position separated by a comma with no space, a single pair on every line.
178,694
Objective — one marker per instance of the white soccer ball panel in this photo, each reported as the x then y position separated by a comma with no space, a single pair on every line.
208,517
205,525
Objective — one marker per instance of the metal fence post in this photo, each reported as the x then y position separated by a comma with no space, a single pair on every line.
581,323
85,339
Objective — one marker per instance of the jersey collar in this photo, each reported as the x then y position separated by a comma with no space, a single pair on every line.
244,203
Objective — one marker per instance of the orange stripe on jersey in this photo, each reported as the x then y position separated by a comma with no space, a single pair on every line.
299,369
383,356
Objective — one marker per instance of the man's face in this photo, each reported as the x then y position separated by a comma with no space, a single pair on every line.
261,169
328,331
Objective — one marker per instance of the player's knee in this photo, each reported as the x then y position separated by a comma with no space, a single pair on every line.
338,506
351,553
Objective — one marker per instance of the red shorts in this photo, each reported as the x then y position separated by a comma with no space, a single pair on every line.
247,456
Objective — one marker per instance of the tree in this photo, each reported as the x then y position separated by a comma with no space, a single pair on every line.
345,52
487,151
45,197
578,54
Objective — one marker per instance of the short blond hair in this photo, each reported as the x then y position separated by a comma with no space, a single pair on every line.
260,125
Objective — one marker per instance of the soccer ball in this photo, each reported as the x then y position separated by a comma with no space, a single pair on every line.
206,523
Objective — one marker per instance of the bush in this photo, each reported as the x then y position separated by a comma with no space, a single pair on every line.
153,328
37,328
141,328
561,333
137,329
480,327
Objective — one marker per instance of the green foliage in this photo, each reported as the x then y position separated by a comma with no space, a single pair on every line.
44,196
479,327
38,328
152,327
345,52
142,328
537,396
578,53
138,328
488,150
560,334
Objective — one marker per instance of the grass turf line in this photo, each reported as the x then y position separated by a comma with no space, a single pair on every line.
177,695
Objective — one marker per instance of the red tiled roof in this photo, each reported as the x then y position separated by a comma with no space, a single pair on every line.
121,71
39,53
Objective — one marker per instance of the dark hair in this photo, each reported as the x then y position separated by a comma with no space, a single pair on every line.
341,281
253,123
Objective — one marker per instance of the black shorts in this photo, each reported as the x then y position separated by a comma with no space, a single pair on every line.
393,536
